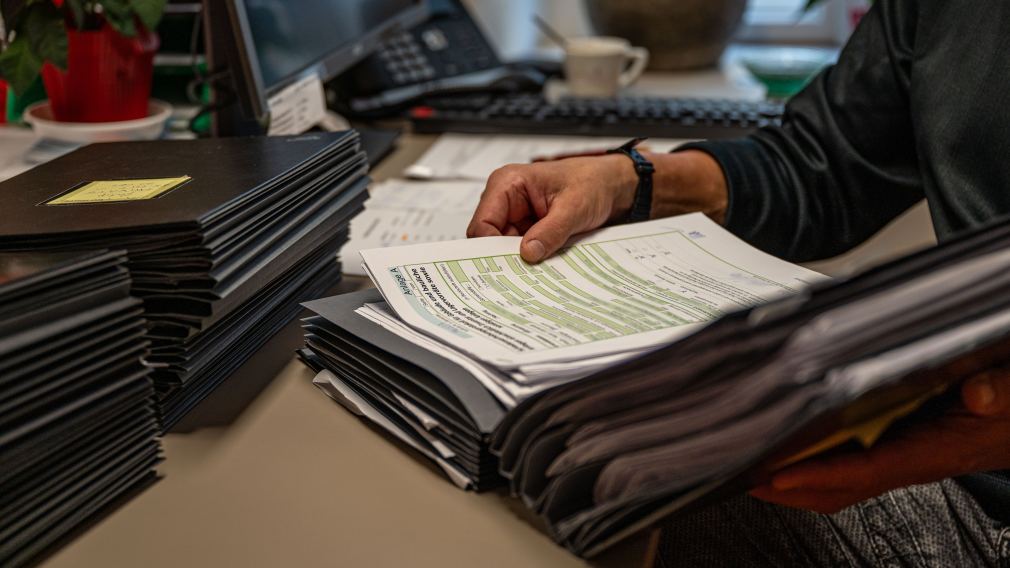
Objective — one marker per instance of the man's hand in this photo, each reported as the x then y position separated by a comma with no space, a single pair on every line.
969,439
548,202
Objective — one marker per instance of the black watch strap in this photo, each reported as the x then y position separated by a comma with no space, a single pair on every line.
641,207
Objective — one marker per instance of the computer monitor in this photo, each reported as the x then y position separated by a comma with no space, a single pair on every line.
281,41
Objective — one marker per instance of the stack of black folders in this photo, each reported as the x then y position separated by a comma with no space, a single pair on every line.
431,403
225,237
601,458
78,428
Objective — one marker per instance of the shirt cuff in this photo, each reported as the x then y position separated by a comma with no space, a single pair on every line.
741,162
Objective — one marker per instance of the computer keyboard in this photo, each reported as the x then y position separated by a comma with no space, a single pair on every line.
639,116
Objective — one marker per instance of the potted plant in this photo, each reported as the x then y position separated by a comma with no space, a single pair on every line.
95,57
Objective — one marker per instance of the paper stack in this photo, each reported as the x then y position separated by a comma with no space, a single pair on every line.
617,452
709,363
470,321
77,419
225,237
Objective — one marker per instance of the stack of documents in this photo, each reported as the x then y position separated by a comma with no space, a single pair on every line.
716,413
77,418
652,367
225,237
470,321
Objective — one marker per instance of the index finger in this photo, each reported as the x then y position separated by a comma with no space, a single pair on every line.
491,216
502,205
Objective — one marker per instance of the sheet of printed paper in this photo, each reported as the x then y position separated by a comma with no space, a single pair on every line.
400,212
475,156
297,107
618,289
509,388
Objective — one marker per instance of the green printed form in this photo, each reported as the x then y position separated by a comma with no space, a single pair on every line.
618,289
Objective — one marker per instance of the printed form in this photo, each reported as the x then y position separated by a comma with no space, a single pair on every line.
616,290
400,212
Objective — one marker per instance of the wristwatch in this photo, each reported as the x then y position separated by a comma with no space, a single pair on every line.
641,207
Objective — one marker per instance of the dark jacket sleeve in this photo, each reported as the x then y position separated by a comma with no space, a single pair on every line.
843,163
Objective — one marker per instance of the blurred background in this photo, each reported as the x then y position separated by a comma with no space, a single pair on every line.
762,22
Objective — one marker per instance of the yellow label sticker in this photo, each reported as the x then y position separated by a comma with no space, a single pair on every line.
105,191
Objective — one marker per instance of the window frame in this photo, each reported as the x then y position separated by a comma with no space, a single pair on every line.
831,27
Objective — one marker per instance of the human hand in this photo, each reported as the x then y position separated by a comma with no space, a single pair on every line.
548,202
972,438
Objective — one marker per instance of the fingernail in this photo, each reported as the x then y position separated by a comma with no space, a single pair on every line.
536,250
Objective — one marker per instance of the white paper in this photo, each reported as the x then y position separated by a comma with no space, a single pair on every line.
613,291
338,391
476,156
441,160
495,382
400,212
407,194
297,107
427,421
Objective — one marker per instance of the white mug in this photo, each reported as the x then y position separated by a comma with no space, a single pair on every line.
598,66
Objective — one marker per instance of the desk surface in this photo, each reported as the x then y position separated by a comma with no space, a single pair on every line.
291,479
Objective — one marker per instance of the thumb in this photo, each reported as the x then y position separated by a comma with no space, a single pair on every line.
987,393
549,234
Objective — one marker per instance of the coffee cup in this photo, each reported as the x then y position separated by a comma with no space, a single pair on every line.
601,66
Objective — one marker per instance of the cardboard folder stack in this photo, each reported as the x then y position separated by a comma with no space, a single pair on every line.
77,418
428,401
839,364
224,236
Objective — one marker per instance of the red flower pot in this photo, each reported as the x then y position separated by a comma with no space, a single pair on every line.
108,76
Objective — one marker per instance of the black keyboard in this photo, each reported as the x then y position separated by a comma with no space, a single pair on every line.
639,116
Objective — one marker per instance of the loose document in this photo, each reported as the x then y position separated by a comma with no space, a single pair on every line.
401,212
609,295
476,156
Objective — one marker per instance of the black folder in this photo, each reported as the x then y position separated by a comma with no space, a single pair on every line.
224,237
78,428
387,370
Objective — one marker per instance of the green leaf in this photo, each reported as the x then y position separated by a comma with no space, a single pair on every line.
19,65
149,11
119,14
42,25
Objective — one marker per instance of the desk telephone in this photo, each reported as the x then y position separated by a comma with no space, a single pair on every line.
446,54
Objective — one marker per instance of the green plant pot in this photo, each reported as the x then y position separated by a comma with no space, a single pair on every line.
16,105
785,71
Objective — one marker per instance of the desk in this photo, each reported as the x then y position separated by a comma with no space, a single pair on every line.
294,480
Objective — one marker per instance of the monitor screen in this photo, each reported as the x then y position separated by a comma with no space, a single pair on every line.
290,36
280,41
